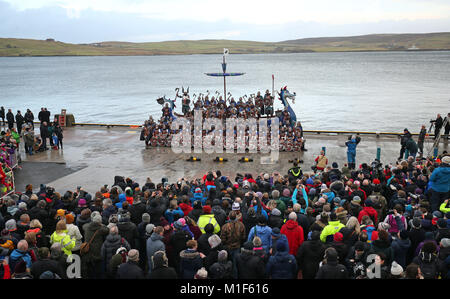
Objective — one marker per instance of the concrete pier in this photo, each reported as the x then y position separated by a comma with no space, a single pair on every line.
92,156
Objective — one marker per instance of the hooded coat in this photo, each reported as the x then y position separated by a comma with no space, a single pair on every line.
309,256
294,234
110,246
154,244
282,265
250,266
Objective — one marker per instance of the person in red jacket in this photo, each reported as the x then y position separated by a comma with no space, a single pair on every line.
185,205
293,232
369,211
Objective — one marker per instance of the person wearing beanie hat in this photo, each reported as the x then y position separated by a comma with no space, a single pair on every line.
91,261
331,269
445,243
282,265
263,231
74,232
249,266
145,218
130,269
161,269
400,247
201,274
149,228
275,218
442,230
396,270
214,241
154,244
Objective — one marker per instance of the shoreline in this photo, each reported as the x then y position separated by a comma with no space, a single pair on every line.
252,53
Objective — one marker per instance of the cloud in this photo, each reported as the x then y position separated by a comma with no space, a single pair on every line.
258,12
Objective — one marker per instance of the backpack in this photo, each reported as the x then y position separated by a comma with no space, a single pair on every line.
429,269
393,223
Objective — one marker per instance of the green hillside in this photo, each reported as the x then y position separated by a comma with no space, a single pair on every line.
375,42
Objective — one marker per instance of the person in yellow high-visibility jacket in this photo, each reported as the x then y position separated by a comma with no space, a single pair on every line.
206,218
334,225
61,236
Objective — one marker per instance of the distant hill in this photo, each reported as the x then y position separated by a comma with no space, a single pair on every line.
373,42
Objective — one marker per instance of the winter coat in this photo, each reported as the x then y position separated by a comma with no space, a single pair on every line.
130,270
250,266
203,244
74,232
332,270
294,234
203,220
163,272
282,265
233,235
178,243
190,263
384,247
400,248
329,230
110,246
221,270
67,243
170,214
43,265
440,179
154,243
136,210
309,256
94,253
264,233
128,230
369,211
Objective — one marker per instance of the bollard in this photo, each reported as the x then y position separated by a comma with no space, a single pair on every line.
324,150
435,153
379,153
406,154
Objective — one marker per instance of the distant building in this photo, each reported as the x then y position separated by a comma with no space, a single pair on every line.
49,40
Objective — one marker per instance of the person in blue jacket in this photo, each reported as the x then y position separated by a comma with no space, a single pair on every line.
440,183
351,150
262,231
282,265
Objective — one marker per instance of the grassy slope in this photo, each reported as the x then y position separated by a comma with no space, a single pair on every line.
380,42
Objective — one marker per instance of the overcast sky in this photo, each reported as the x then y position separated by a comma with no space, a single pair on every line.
87,21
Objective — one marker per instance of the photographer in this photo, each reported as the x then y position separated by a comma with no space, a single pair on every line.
351,144
403,140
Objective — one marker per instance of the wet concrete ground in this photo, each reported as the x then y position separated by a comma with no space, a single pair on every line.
92,156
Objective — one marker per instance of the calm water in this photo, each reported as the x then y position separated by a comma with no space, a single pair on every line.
335,91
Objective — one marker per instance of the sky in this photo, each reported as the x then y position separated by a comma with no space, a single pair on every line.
89,21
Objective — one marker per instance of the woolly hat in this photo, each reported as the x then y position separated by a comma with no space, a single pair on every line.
446,160
445,242
214,241
376,181
286,193
163,222
81,202
22,205
198,190
338,237
248,245
133,255
356,200
47,275
70,218
11,225
437,214
281,247
442,223
145,218
335,165
276,232
418,213
177,224
60,212
201,274
222,256
396,269
236,206
207,209
97,219
20,267
275,212
149,228
416,223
